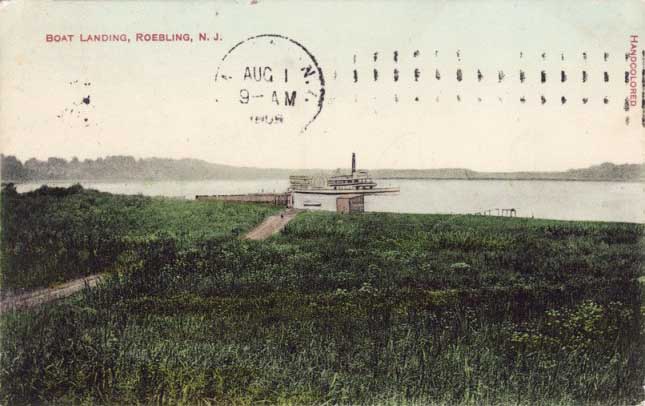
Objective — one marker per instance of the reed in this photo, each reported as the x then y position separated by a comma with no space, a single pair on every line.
360,309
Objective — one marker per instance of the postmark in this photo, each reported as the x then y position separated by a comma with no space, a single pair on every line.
271,80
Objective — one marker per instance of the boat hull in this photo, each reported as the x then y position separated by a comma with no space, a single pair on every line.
374,191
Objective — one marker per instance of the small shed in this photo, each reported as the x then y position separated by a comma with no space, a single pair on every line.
354,203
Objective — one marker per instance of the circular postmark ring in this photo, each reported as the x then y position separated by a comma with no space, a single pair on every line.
308,72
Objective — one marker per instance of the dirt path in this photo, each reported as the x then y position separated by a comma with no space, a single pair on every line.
271,225
40,296
266,229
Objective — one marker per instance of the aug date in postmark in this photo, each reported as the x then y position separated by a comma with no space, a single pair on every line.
271,79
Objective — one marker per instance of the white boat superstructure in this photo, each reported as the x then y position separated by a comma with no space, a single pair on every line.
358,181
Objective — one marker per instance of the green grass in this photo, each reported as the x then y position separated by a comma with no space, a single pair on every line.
359,309
55,234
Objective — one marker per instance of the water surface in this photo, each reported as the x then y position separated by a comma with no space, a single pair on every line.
562,200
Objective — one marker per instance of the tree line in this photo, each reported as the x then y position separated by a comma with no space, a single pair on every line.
122,167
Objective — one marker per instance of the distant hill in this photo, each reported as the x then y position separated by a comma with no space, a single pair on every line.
603,172
127,168
117,168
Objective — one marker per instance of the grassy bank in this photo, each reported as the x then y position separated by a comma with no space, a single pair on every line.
52,235
372,308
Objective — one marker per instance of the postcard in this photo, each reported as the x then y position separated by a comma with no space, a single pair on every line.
322,202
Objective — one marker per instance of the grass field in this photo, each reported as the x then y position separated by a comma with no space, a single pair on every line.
370,308
52,235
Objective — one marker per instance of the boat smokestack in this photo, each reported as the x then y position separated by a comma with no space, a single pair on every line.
353,163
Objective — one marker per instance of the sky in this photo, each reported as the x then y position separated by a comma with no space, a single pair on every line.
183,99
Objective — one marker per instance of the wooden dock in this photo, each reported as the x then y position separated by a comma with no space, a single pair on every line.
278,199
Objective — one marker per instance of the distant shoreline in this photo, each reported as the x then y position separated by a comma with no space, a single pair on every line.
391,178
515,179
130,169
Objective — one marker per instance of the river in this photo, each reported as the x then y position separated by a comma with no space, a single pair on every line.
562,200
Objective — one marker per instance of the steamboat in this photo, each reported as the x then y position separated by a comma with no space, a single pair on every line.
356,182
